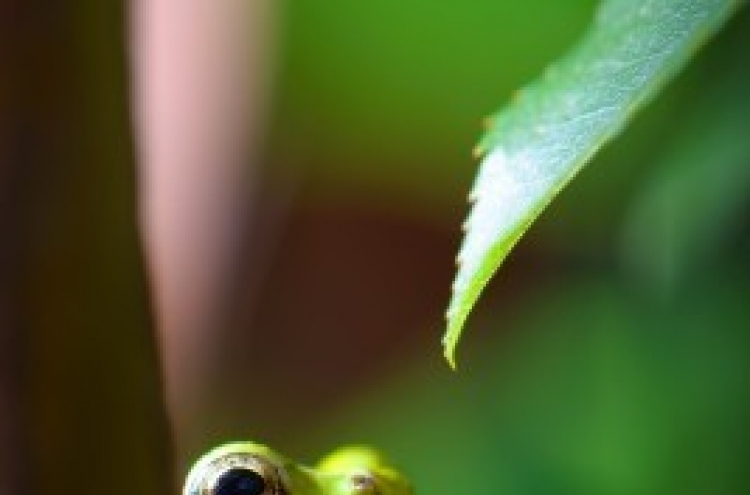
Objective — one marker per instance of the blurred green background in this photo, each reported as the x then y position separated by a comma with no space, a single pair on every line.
611,354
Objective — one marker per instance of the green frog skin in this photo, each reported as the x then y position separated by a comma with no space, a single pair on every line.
247,468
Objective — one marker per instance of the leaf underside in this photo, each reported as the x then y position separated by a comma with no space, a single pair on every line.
553,126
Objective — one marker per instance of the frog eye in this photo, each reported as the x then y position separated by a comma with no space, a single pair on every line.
239,481
363,484
235,474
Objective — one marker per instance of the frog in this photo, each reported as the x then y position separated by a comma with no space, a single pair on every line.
250,468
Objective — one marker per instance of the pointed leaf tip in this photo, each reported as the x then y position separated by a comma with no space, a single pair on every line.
449,352
555,125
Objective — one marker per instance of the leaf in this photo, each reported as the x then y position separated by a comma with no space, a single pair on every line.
552,127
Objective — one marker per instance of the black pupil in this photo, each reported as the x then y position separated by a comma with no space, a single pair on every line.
239,481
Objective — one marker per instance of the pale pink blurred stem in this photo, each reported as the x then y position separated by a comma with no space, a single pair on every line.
200,73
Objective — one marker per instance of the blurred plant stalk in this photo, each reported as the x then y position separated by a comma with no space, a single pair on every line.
200,74
79,364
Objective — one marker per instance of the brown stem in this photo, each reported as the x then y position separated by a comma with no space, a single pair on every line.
87,411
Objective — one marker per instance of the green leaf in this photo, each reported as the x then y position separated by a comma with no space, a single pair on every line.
551,129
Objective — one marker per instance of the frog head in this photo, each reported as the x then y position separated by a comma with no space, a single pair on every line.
247,468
